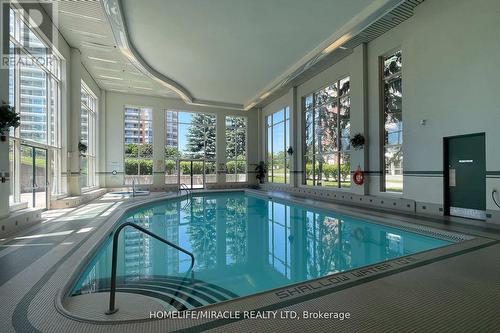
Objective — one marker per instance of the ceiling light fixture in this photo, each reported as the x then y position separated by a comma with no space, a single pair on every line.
91,18
87,33
108,69
145,88
103,60
111,77
265,95
97,46
336,44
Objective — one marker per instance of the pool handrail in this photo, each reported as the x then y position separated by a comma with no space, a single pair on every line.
184,187
112,309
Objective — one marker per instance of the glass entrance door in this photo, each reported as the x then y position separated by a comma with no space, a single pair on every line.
192,173
33,179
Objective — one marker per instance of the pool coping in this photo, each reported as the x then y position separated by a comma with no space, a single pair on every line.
365,273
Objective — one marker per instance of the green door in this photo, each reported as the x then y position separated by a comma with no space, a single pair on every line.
466,177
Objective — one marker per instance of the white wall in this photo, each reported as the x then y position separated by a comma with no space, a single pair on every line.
450,78
115,104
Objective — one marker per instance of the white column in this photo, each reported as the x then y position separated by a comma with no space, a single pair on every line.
101,140
359,117
75,77
4,96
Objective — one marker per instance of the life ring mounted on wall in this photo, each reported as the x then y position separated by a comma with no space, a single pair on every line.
358,177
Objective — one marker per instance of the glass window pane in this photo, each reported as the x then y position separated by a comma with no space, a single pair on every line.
394,169
309,139
287,171
236,149
12,156
278,116
326,128
393,123
33,103
210,172
170,172
31,42
393,64
269,144
278,141
328,170
345,86
345,170
308,102
138,150
345,123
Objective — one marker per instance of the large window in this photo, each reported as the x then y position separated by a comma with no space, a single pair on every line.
278,141
190,141
138,139
34,89
88,137
392,180
327,160
236,149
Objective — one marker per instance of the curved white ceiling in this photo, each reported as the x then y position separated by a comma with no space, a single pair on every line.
230,51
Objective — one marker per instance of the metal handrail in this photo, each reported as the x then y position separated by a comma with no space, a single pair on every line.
112,291
493,197
189,194
184,187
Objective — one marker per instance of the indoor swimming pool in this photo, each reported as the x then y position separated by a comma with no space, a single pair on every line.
243,244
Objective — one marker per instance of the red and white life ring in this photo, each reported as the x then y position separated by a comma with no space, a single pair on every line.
358,177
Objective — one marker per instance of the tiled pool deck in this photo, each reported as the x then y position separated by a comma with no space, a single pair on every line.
453,289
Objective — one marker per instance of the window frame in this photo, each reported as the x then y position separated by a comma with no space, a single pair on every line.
382,81
91,153
286,144
236,160
339,150
135,176
53,92
184,158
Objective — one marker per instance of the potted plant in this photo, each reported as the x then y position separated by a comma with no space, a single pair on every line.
8,118
261,171
82,147
358,141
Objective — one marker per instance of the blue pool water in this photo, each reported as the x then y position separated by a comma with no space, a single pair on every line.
243,244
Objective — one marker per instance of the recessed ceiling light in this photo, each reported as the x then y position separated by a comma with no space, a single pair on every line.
86,17
336,44
97,46
87,33
251,105
108,69
265,95
110,83
111,77
103,60
145,88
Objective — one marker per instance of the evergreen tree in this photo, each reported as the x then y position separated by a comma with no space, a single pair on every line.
235,137
201,137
